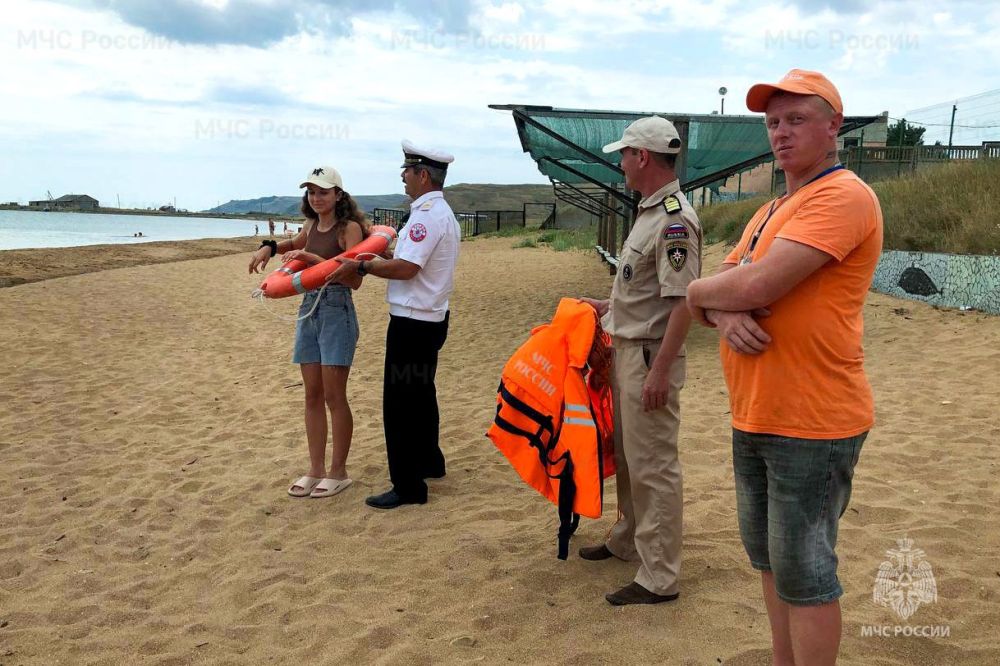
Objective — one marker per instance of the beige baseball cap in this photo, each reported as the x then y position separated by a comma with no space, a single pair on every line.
325,177
652,133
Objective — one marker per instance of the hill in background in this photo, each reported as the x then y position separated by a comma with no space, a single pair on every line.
289,206
466,197
472,197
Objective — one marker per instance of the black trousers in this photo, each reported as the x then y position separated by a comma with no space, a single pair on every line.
409,404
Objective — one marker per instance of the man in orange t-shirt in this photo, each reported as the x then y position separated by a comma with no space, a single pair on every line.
788,305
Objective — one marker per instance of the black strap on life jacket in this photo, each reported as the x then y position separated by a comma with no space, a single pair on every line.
568,521
544,422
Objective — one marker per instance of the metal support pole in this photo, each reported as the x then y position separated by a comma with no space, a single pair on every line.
609,241
951,129
902,133
861,155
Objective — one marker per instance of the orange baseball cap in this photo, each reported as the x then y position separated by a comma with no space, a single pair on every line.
798,82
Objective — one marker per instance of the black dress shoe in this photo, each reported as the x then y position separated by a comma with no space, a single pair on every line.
633,593
436,474
390,500
595,553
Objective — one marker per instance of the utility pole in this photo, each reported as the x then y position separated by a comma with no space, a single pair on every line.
951,129
722,95
902,133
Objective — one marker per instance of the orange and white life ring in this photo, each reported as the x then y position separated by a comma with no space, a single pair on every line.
297,277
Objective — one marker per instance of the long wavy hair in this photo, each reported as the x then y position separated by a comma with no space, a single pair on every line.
344,211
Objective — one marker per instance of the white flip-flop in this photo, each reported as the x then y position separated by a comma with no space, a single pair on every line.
303,486
329,487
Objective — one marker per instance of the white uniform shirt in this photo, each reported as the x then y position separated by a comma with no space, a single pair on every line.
430,239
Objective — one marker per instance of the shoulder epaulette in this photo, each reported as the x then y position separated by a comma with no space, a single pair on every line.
672,204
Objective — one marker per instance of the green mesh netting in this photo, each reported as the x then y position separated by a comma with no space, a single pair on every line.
714,143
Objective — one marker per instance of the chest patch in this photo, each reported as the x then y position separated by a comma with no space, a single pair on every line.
418,232
677,254
627,272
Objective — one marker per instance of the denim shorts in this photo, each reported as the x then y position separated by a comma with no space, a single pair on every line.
330,334
790,495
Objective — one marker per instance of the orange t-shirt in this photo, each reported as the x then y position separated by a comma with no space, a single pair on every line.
810,382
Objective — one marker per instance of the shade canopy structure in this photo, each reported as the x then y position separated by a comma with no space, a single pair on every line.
566,146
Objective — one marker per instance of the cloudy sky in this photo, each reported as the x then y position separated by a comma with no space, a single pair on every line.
210,100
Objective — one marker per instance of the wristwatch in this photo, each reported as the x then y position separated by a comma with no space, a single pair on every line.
361,269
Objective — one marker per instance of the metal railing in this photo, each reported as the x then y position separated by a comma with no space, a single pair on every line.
874,163
471,223
390,217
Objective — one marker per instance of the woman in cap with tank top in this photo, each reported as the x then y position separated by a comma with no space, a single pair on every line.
326,339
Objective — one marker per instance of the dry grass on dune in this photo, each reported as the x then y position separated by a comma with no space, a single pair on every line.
950,208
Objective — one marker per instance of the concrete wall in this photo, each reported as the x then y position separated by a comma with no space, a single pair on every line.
873,135
948,280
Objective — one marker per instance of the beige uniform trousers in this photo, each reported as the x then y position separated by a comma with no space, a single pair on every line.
649,472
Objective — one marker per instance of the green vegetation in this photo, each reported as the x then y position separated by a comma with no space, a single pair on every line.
505,232
725,222
560,240
905,134
950,208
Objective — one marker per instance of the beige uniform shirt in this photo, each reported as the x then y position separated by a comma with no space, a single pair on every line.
661,256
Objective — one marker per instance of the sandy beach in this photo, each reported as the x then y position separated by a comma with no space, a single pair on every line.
150,423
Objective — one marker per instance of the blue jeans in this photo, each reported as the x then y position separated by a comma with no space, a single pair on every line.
790,495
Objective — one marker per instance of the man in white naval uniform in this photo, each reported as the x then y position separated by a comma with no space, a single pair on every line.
421,277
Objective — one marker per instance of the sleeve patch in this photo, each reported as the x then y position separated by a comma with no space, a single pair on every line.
675,231
418,232
677,254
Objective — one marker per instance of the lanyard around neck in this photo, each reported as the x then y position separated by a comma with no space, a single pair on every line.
774,207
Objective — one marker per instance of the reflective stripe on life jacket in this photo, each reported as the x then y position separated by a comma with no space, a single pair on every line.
553,426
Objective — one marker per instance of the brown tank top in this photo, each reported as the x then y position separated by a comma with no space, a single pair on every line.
324,243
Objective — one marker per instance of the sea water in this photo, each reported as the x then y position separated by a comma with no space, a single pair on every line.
30,229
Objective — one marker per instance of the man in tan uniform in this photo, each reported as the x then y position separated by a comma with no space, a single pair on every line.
648,319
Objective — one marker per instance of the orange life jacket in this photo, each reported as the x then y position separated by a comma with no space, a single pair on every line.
554,419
